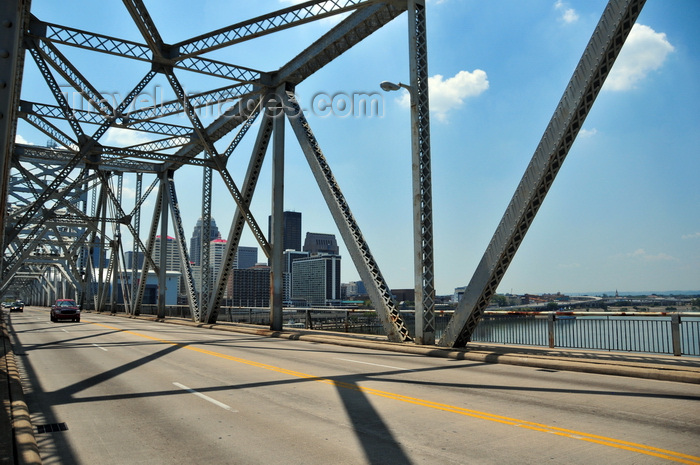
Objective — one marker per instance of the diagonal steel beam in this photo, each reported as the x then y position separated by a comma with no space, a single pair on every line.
351,31
185,264
234,236
148,250
57,93
583,88
116,204
358,248
146,26
74,77
100,43
50,130
208,144
266,24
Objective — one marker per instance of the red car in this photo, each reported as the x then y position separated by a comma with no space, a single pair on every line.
65,309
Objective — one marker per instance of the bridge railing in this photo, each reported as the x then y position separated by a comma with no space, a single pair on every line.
662,333
644,332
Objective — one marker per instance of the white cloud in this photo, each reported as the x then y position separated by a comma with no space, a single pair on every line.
568,15
568,266
692,236
120,137
643,255
644,51
587,132
21,140
448,94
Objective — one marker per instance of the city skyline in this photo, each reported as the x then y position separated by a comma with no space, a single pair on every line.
622,213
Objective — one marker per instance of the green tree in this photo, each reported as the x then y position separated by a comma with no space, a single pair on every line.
552,306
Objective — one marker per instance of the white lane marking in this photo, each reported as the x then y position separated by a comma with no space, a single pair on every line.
374,364
207,398
100,347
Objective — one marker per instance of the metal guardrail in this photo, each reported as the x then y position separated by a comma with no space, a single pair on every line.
646,332
661,333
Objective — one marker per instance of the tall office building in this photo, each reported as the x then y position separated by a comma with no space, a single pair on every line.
316,280
250,287
172,254
355,288
196,240
291,225
134,260
217,248
246,257
289,257
319,243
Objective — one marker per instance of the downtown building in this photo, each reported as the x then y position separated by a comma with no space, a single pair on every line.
291,227
196,240
172,254
246,257
316,280
320,243
134,260
289,257
249,287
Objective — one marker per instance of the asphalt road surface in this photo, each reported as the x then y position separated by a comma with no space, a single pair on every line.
132,391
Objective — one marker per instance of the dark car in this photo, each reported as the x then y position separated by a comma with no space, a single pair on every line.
65,309
17,306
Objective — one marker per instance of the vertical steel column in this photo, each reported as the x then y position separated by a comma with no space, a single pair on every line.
277,229
185,265
163,262
13,15
99,302
136,248
422,183
580,94
114,266
116,248
204,263
83,250
150,245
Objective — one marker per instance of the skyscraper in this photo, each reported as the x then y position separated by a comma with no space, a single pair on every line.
134,260
317,280
291,225
289,257
250,287
319,243
172,254
196,240
217,248
246,257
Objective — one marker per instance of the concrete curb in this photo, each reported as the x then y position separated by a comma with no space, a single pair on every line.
678,374
21,441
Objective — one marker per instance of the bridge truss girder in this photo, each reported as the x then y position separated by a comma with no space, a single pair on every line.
84,166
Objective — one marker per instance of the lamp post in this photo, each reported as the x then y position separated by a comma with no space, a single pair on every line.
422,213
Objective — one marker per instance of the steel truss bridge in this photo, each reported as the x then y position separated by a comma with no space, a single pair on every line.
62,202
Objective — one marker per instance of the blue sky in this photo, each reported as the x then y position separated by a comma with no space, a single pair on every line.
622,214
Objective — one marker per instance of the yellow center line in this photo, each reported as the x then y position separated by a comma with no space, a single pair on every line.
572,434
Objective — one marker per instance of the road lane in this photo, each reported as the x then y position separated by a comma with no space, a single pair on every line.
300,402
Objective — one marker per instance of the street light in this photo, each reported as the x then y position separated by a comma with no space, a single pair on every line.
390,87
